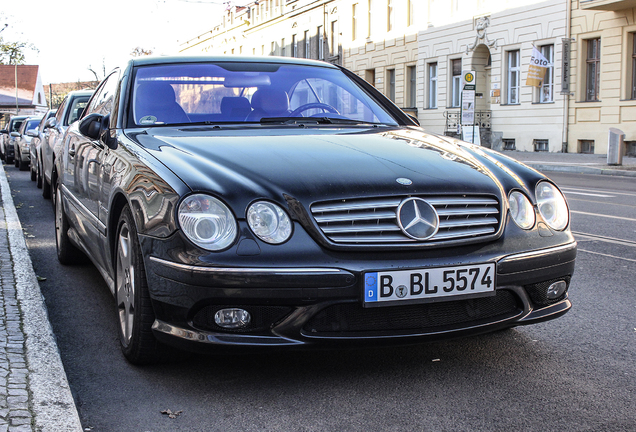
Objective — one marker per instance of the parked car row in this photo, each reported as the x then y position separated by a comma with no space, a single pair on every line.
282,202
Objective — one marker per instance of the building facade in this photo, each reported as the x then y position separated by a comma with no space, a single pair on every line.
496,41
603,74
297,28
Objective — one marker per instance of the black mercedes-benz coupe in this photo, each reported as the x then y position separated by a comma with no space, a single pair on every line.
271,202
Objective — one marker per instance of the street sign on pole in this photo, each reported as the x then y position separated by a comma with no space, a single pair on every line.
468,99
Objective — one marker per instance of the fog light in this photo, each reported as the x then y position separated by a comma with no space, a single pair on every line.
232,318
556,290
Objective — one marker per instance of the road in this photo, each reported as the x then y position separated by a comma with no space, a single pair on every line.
577,373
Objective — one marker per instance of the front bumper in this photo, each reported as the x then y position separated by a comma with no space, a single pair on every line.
322,305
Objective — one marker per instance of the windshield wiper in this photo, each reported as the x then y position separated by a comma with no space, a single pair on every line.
316,120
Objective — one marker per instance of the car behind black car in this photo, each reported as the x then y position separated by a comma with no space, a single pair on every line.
283,202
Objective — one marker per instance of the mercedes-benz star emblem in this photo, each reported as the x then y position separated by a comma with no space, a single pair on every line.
418,219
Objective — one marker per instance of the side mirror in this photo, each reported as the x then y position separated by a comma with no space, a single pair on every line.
32,132
92,126
50,123
4,131
15,134
96,127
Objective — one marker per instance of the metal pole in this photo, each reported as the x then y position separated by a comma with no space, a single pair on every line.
17,108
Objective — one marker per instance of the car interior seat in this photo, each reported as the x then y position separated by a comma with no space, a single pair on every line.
155,102
235,108
269,102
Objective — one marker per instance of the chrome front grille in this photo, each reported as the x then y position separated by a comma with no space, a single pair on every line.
375,221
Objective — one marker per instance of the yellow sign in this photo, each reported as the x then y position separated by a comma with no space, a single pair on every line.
469,77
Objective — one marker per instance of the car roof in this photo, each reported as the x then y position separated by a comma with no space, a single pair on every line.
149,60
75,93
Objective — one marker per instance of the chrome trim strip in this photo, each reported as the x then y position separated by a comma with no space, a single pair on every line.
239,270
82,208
533,254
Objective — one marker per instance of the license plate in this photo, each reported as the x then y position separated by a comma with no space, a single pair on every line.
431,284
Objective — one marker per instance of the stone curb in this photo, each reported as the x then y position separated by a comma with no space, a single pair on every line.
578,169
52,402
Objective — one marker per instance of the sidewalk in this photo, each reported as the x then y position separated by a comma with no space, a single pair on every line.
34,391
575,163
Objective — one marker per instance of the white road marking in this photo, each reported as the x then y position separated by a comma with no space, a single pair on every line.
588,190
588,194
602,215
607,255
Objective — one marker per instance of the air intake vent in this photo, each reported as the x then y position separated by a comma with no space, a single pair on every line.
374,220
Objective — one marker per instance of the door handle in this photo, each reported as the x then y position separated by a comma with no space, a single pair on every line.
71,152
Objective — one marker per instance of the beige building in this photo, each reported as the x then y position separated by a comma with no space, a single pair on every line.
603,74
495,39
379,43
296,28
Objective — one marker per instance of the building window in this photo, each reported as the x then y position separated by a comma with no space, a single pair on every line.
509,144
354,21
273,49
389,15
282,47
456,66
262,50
369,76
633,65
410,13
541,145
411,72
586,146
333,42
630,148
294,46
370,18
307,44
547,87
391,84
432,85
593,69
514,78
321,44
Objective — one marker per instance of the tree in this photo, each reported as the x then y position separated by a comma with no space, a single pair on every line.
13,52
140,52
97,78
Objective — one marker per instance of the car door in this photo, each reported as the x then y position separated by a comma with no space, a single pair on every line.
53,134
84,171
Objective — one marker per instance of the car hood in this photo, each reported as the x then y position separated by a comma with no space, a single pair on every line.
323,163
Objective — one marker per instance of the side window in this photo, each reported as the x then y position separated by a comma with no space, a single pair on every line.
60,111
103,99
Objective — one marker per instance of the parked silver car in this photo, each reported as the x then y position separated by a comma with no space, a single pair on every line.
69,111
22,142
6,143
35,147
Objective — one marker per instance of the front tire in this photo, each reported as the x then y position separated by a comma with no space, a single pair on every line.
67,253
134,309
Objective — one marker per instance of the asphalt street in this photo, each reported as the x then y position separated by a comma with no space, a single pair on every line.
576,373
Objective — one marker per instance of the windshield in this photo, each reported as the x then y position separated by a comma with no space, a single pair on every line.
247,93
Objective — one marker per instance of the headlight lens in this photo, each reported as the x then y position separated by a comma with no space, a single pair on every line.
207,222
552,206
521,210
269,222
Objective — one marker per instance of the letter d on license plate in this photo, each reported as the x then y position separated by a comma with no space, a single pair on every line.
431,284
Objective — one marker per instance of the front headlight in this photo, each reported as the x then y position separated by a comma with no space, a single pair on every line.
207,222
269,222
552,205
521,210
